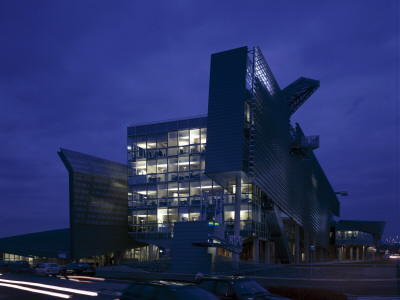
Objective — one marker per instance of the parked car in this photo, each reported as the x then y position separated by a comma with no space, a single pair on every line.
5,266
20,266
78,269
48,269
236,288
165,290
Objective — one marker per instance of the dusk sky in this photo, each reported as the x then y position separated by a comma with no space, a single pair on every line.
75,74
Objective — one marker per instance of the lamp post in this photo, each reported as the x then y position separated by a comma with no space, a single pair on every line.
236,224
312,248
342,193
339,250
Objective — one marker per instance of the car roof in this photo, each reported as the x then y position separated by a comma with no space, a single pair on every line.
175,283
223,277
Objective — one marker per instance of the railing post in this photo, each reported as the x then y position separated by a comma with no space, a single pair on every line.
398,277
236,225
297,244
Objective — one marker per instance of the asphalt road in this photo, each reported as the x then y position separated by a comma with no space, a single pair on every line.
15,294
347,287
105,290
108,289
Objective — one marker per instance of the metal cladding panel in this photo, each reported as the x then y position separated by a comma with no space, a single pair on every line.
313,198
187,258
91,240
315,218
225,123
298,187
272,145
98,204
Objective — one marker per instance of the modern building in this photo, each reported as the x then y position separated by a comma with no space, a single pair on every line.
358,240
244,156
239,183
97,192
98,231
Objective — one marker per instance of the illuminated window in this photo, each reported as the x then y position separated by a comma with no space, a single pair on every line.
183,163
183,137
151,141
161,166
172,138
195,136
151,166
203,135
141,141
195,188
173,151
172,164
194,162
162,140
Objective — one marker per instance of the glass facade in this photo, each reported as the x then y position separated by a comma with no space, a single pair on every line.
246,135
167,184
98,189
354,237
98,210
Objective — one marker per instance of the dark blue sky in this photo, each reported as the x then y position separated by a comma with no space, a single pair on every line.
75,74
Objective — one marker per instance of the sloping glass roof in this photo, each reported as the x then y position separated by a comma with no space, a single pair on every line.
52,244
84,163
373,227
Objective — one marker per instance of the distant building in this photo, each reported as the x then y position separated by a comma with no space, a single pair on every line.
98,224
358,240
98,210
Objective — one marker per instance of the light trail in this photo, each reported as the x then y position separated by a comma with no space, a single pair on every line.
53,287
87,277
14,286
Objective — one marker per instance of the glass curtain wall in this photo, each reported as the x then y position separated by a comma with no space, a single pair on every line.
167,182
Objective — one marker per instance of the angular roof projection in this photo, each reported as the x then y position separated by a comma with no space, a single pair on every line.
83,163
373,227
98,205
299,91
263,73
52,243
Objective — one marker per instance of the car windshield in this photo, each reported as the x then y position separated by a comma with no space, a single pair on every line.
247,286
193,293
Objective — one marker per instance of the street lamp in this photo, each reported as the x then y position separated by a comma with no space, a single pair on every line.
312,249
342,193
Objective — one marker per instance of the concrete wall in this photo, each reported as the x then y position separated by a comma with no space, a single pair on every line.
187,258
